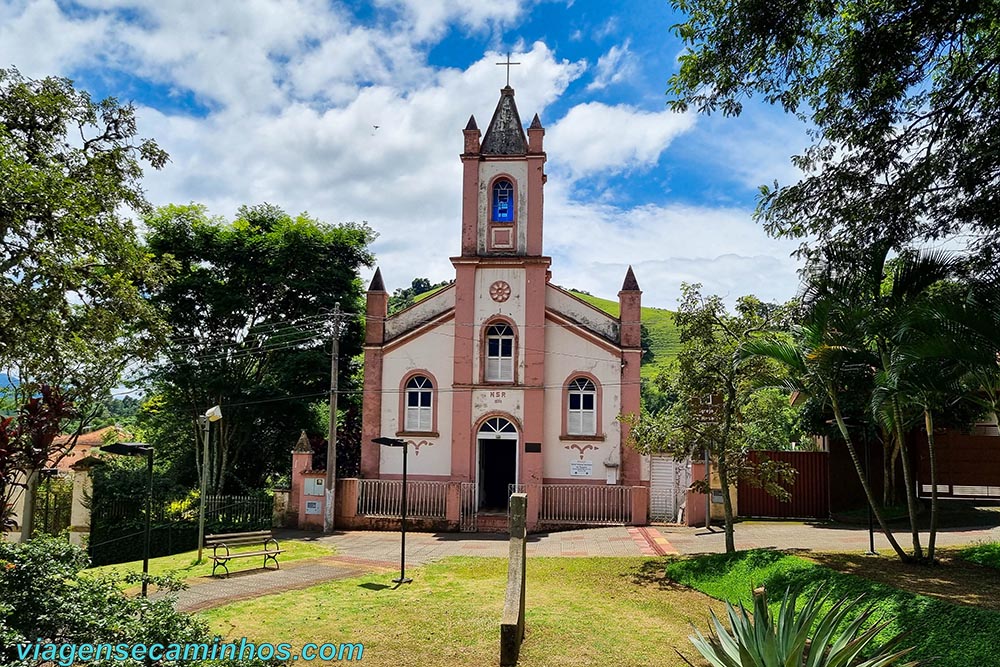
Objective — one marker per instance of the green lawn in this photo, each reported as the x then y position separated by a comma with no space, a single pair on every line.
184,566
955,635
580,611
987,555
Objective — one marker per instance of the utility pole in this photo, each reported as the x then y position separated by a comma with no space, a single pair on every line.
331,439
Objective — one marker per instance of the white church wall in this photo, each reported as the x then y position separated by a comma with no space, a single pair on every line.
559,301
570,353
431,351
512,308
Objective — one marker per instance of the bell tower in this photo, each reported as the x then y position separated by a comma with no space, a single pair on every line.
502,185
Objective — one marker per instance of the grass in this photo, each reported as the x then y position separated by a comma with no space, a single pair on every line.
987,555
185,566
663,335
593,611
955,635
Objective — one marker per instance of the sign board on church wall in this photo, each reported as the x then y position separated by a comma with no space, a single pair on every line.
581,468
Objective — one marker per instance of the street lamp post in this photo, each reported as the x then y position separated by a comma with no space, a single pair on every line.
140,449
213,414
398,442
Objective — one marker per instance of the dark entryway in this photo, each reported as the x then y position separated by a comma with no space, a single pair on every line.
497,470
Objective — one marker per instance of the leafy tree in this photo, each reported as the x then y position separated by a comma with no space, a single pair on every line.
72,272
770,422
713,385
900,99
250,312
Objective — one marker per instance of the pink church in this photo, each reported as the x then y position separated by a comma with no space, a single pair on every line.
504,381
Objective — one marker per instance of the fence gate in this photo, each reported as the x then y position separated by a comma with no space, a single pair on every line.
467,515
668,484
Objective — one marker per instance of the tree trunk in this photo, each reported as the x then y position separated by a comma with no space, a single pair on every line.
903,556
932,459
911,500
28,507
894,494
727,503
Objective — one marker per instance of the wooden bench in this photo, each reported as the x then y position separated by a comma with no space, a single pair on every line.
229,541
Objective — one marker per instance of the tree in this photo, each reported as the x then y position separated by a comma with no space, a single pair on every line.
713,384
250,312
72,271
899,97
404,297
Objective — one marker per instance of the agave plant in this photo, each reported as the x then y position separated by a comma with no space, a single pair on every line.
804,638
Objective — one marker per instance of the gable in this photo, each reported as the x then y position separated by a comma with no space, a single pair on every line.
420,313
588,317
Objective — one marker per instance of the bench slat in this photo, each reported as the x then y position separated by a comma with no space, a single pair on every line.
244,554
256,533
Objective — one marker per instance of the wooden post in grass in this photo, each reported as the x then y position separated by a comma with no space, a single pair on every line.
512,621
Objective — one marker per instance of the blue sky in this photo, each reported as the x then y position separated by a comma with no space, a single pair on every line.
278,101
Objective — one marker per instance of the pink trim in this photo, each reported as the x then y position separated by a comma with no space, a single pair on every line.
371,412
401,415
421,302
532,464
598,407
462,447
631,472
470,204
492,225
590,306
490,321
418,330
583,333
535,199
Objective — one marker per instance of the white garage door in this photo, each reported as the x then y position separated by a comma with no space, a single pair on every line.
668,483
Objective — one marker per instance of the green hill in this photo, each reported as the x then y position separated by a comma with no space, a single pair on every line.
664,340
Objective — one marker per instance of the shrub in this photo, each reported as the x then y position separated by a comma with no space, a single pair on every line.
811,636
43,599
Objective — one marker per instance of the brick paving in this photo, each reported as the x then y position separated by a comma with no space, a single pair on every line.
369,552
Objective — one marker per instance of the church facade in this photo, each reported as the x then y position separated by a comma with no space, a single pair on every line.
503,378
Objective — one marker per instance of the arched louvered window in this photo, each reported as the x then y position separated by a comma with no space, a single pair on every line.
500,353
419,404
581,417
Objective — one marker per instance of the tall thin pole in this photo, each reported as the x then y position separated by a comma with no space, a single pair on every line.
708,493
331,439
204,483
149,512
402,543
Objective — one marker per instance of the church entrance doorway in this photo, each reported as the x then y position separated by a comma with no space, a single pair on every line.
497,463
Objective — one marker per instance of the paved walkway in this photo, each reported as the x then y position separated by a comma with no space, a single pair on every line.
371,552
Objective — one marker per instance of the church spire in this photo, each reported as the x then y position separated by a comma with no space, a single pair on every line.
505,135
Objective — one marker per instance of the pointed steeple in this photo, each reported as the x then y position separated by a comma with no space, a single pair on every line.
536,123
377,284
472,123
303,446
630,284
505,135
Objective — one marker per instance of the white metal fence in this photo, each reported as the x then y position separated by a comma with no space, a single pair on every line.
583,504
383,498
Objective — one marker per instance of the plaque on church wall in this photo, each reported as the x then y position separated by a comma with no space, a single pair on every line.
581,468
533,447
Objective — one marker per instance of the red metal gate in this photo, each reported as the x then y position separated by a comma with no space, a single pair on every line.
810,492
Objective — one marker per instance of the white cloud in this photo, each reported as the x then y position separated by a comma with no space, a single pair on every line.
595,137
27,24
615,66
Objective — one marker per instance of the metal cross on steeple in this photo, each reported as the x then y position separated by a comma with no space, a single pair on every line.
508,64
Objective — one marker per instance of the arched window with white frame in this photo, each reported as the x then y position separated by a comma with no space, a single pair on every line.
581,407
419,404
500,353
